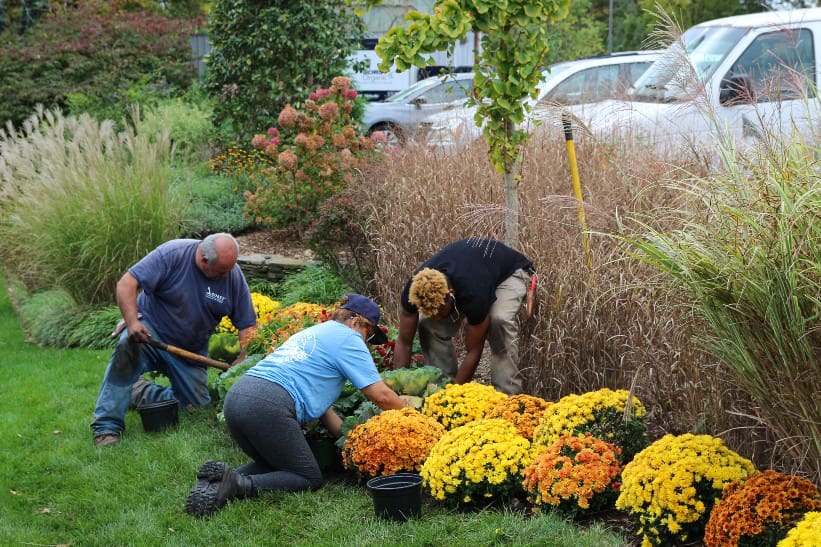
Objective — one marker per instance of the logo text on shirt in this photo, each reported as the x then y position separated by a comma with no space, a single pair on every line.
214,296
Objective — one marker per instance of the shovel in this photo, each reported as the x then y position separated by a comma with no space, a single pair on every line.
128,352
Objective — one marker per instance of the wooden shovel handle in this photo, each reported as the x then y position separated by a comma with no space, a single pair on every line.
531,296
188,354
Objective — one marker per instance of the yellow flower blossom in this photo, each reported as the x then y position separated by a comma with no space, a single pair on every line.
481,459
672,484
459,404
806,532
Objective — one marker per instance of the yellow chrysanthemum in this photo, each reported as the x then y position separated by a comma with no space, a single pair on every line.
806,532
672,484
459,404
264,307
479,460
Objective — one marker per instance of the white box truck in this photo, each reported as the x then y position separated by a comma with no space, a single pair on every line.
376,85
743,77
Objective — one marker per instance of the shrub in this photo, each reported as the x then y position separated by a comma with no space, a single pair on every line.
314,283
600,413
760,510
671,486
339,237
391,442
481,460
574,475
81,203
253,76
99,53
187,122
312,154
522,410
459,404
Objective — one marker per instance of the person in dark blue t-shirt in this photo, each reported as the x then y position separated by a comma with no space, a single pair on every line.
185,288
477,280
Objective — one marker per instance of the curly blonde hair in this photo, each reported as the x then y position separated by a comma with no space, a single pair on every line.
428,291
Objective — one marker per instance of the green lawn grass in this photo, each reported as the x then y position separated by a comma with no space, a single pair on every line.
57,488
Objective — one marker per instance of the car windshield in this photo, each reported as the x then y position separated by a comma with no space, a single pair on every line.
687,61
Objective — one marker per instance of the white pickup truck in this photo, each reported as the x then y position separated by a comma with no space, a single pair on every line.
740,77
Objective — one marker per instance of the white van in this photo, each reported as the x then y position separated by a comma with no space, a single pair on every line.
743,76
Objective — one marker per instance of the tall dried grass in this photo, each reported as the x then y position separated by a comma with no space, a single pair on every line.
606,325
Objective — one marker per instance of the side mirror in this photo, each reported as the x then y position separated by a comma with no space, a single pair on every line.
736,89
419,101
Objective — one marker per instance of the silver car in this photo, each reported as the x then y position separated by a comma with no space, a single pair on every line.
581,81
401,113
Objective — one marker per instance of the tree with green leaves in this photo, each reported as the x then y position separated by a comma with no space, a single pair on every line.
515,40
268,54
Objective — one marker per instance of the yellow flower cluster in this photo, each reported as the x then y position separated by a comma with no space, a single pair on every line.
571,413
482,459
522,410
760,507
284,322
391,442
672,485
264,307
458,404
573,472
806,532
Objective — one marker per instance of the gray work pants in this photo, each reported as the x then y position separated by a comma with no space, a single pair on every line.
436,336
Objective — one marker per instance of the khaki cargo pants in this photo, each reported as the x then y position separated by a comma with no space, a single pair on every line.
436,336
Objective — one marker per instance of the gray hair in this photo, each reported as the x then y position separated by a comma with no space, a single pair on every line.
208,246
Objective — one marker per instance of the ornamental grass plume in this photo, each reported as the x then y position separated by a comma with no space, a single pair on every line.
391,442
459,404
760,510
671,486
574,475
522,410
600,413
478,461
805,533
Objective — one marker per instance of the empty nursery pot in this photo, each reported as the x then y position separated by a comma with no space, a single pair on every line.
397,497
159,416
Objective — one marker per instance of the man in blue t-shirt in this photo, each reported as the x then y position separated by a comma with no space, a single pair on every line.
478,280
185,287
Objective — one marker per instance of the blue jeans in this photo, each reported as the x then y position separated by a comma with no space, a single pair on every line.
189,385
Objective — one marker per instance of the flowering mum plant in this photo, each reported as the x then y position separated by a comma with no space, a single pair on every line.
284,322
806,532
672,484
480,460
600,413
264,307
760,510
391,442
574,475
522,410
313,153
459,404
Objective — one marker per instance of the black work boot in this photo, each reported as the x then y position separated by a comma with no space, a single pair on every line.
216,485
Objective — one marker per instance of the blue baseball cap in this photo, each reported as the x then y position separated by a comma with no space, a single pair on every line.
368,309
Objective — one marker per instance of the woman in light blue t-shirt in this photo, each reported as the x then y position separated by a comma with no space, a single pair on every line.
297,383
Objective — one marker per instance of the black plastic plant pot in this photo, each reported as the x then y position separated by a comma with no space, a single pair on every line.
397,497
159,416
